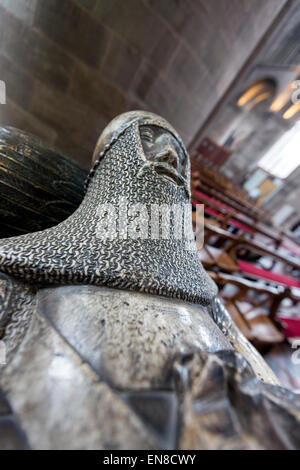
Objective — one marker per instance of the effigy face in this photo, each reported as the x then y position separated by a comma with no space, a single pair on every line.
166,154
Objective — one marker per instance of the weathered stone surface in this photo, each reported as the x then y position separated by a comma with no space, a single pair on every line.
236,338
77,123
120,63
16,309
133,21
184,68
245,412
159,412
68,407
97,93
187,62
73,29
34,52
217,402
135,337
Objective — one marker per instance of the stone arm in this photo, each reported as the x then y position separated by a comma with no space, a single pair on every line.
233,334
91,368
16,302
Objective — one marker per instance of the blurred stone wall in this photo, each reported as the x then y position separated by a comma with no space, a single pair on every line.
71,66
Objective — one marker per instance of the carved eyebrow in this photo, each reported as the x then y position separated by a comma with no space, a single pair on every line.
146,132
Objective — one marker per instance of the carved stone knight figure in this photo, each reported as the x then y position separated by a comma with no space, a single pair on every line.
113,332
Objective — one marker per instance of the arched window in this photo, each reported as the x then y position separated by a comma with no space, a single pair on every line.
260,93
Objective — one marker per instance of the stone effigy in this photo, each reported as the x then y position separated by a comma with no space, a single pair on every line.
114,335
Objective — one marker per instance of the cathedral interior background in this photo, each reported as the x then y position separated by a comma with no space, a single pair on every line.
224,75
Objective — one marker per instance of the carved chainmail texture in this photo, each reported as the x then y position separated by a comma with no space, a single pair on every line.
17,301
71,253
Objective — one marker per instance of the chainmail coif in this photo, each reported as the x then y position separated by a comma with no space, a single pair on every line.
72,253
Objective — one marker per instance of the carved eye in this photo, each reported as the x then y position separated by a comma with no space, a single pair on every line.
181,155
147,135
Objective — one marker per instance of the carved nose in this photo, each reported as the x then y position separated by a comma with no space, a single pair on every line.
168,155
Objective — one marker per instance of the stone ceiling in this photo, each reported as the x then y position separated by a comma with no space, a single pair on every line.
71,66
